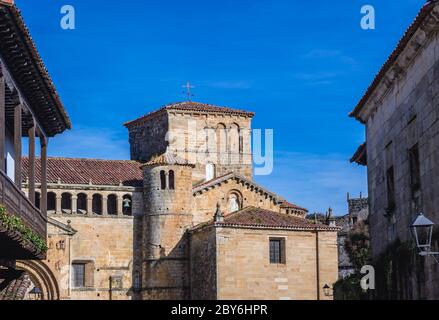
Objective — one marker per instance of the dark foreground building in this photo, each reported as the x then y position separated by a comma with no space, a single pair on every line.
400,111
29,107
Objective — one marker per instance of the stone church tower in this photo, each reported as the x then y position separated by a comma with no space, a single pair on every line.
197,164
168,203
216,140
182,145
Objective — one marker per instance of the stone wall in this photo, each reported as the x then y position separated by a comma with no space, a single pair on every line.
407,115
148,138
205,203
105,244
203,271
223,140
244,270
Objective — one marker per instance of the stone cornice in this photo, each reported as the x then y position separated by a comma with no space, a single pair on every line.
205,187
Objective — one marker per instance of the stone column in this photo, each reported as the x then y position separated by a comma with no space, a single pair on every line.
104,205
58,209
89,204
43,200
120,205
74,204
2,120
17,144
31,173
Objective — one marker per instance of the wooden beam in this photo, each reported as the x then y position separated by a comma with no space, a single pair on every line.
43,202
17,144
31,164
2,121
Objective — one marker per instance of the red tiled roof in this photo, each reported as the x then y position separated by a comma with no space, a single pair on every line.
193,107
167,159
252,217
426,9
82,171
287,204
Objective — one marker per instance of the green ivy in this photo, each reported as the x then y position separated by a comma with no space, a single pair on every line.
15,223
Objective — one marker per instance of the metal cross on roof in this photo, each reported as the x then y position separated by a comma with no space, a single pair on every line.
188,92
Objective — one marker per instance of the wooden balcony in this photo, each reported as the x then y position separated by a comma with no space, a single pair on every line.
12,245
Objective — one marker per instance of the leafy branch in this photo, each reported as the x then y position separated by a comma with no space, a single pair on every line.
15,223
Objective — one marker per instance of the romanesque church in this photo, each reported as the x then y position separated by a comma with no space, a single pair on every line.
183,219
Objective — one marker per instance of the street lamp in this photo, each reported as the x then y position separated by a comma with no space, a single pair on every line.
422,231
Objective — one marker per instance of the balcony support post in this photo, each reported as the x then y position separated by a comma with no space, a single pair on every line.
17,145
2,120
43,203
31,165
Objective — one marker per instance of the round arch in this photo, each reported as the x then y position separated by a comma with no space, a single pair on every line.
238,199
41,276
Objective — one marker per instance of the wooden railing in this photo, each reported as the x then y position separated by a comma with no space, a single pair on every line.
18,204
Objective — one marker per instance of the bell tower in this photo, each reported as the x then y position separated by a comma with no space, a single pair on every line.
168,203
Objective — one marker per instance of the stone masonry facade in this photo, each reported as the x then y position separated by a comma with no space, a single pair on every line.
400,113
135,229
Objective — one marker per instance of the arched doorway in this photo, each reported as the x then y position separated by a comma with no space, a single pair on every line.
42,278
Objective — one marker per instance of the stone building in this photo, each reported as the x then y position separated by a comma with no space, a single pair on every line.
358,210
178,220
400,113
92,208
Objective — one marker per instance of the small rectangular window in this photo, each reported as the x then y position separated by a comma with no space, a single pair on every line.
78,275
390,177
415,168
277,251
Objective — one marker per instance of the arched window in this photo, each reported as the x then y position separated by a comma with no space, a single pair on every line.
171,180
221,143
81,203
234,143
162,180
210,171
127,205
97,204
112,205
66,203
234,202
51,202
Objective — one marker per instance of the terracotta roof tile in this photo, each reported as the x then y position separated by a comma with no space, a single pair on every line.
252,217
193,107
167,159
287,204
82,171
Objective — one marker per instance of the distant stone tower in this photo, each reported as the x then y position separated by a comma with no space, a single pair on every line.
168,202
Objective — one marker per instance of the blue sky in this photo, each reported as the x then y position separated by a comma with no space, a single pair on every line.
300,65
